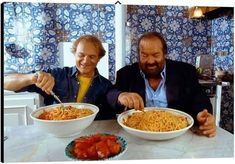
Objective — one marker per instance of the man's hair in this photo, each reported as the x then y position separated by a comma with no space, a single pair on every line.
149,35
92,39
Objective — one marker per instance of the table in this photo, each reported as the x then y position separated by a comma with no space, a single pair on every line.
29,144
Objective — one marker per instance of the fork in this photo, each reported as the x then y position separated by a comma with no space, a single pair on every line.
57,98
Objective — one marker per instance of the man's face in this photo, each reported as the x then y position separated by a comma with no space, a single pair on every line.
86,57
151,57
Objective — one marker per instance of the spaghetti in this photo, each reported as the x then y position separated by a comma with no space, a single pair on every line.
65,113
156,121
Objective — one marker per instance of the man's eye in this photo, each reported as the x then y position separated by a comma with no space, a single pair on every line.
92,57
81,55
155,55
143,55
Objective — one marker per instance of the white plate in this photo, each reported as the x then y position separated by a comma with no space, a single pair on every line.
155,135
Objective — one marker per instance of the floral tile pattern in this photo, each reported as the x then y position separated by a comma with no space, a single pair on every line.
186,38
33,30
223,41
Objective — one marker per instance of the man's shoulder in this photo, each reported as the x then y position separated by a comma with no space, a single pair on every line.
103,80
178,64
132,67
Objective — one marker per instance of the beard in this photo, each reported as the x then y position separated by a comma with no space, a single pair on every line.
152,70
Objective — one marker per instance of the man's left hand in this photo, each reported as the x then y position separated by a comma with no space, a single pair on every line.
207,125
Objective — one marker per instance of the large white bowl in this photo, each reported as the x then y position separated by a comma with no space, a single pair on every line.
64,128
155,135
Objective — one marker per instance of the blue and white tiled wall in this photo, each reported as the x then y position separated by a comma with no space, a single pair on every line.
186,38
32,32
223,41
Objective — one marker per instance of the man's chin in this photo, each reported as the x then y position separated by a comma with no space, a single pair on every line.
83,71
152,74
151,71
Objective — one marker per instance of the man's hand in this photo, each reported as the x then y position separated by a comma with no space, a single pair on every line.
131,100
44,81
206,122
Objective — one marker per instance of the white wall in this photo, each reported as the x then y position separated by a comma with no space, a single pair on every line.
120,40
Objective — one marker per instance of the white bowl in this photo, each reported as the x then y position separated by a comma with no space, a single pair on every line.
64,128
155,135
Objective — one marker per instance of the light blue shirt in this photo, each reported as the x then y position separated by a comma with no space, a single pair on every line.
156,98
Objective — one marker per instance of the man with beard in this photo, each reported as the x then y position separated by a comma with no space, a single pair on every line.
155,81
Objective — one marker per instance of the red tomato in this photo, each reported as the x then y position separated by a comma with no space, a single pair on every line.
83,145
94,138
114,147
82,154
102,150
105,137
111,137
92,152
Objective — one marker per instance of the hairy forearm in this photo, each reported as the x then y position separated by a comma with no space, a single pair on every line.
16,82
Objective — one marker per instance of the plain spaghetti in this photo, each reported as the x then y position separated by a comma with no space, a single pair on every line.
156,121
65,113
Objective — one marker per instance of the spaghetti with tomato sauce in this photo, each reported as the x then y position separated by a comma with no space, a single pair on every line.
65,113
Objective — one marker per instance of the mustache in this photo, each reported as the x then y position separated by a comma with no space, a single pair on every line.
153,64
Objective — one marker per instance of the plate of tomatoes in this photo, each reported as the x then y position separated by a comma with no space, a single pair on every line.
96,147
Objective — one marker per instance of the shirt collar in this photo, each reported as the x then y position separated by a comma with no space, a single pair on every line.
74,71
163,73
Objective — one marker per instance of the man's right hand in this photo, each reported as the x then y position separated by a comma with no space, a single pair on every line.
44,81
131,100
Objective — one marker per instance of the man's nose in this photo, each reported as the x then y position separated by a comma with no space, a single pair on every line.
86,59
150,60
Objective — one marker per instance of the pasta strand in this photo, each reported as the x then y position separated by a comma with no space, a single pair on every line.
156,121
